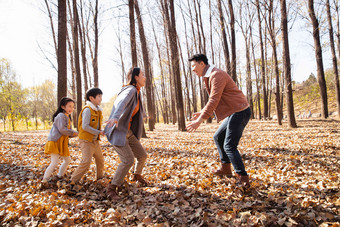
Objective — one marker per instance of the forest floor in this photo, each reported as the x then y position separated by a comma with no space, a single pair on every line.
295,180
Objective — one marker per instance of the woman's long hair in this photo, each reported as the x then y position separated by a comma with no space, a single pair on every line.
63,102
131,76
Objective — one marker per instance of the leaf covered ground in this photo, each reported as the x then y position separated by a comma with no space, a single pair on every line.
295,181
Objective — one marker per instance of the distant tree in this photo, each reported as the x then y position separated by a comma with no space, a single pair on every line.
132,32
169,11
147,69
62,56
76,59
319,59
287,66
334,58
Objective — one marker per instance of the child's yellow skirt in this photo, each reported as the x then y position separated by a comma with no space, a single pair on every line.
58,147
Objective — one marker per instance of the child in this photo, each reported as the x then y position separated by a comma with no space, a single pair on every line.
89,126
57,144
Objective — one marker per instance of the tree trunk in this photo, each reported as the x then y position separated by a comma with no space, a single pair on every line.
319,61
170,19
83,47
233,41
62,56
334,58
263,70
187,87
211,34
76,58
249,81
193,88
224,38
132,33
148,85
173,111
287,69
95,59
256,76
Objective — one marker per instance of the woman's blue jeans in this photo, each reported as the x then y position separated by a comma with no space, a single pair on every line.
228,136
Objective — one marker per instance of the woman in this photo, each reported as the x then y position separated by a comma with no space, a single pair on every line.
124,129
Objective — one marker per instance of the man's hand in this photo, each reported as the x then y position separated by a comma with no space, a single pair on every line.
111,122
193,125
195,116
101,133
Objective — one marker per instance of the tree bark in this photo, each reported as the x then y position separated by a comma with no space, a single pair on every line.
132,33
319,60
149,84
95,59
224,38
76,58
287,69
170,19
334,58
258,102
62,56
83,47
263,70
233,42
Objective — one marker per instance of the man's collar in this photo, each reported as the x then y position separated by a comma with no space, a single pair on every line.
207,70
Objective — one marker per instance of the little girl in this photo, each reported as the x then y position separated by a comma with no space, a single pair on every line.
57,144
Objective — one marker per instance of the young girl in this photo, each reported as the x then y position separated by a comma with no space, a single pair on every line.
57,145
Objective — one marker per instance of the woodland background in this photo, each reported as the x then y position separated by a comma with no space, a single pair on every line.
290,147
248,39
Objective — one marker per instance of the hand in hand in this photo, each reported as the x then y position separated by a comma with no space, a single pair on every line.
111,122
101,133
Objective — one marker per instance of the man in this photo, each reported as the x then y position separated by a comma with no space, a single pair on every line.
229,105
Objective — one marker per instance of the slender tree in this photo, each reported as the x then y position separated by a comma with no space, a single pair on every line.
132,33
233,41
334,58
263,70
76,58
147,69
287,67
62,56
319,60
95,58
224,37
171,26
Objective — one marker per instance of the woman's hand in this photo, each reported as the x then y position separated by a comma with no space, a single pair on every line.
111,122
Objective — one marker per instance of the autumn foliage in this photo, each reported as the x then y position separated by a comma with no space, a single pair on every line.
294,180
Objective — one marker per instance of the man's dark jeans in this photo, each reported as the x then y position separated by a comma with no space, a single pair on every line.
228,136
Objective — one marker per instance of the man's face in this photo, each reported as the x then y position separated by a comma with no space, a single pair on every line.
198,67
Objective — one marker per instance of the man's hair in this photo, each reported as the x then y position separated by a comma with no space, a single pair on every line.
199,57
93,92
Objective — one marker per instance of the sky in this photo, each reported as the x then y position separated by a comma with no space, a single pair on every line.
23,25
